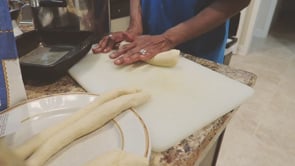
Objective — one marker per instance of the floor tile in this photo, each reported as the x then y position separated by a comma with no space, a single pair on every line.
262,132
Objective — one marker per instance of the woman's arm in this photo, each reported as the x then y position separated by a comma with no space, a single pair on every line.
211,17
135,24
109,42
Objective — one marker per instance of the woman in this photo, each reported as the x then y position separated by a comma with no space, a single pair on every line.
197,27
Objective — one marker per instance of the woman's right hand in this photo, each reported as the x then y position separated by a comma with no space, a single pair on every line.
111,41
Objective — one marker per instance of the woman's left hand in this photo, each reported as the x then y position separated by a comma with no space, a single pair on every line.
142,48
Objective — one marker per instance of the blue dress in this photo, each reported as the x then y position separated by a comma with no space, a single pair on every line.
160,15
7,49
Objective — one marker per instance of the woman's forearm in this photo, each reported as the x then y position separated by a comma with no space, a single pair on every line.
211,17
135,25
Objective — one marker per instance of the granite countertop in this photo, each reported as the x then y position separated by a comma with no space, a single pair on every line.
188,151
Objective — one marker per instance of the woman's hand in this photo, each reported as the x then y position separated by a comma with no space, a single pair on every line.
111,41
142,48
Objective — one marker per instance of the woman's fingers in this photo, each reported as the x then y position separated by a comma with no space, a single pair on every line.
109,45
147,56
127,59
101,45
111,42
124,49
141,49
134,56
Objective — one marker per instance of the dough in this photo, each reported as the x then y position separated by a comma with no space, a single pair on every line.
165,59
7,157
92,121
25,150
123,43
119,158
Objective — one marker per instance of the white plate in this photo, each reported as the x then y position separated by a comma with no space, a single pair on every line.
127,131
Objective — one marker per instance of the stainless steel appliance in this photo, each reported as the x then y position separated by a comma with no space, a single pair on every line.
71,15
64,32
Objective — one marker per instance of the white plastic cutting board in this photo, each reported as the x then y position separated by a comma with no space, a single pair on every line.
184,98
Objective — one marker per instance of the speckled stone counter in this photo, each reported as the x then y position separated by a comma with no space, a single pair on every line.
188,151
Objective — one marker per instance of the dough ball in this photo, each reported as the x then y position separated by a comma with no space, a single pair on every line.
165,59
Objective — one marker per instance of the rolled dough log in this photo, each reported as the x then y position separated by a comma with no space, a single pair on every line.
119,158
26,149
7,157
165,59
92,121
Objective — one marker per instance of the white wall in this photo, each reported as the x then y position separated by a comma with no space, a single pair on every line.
246,27
264,17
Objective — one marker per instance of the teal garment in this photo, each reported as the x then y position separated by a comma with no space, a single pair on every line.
160,15
7,49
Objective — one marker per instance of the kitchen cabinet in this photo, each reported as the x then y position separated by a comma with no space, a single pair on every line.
189,151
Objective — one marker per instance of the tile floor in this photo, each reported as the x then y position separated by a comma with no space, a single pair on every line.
262,132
